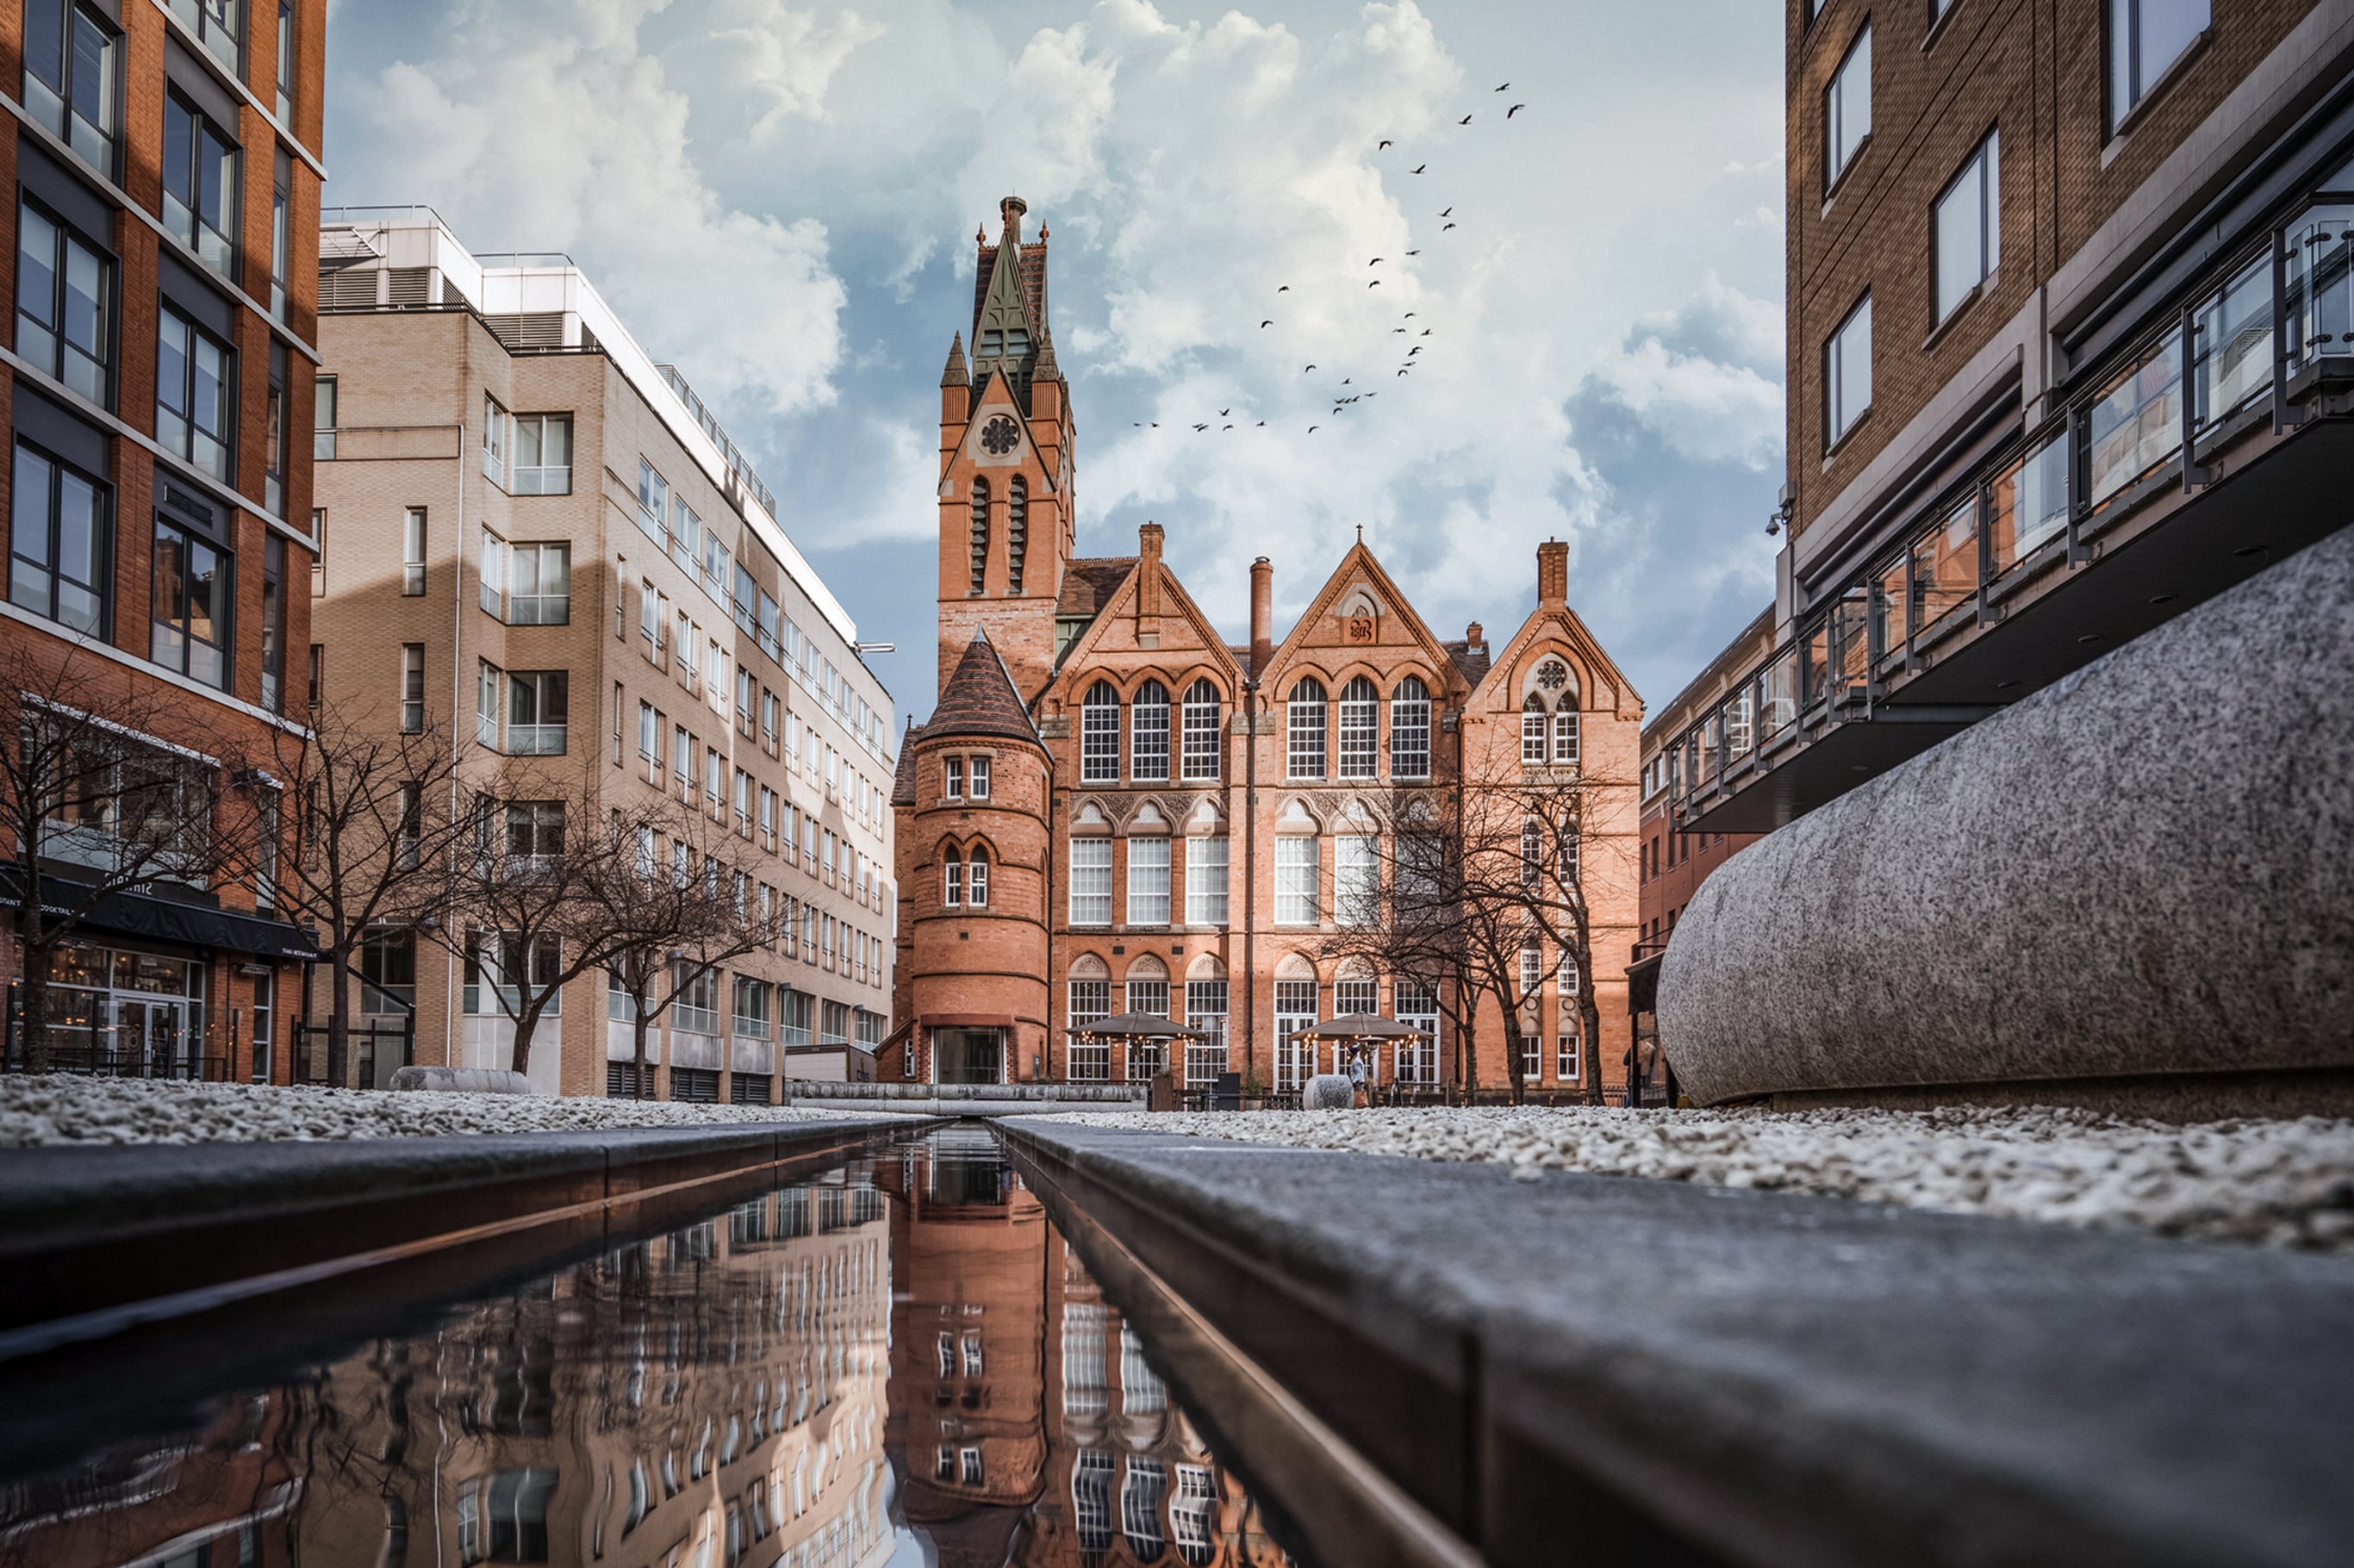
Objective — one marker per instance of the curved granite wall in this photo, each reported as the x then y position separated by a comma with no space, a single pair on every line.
2145,869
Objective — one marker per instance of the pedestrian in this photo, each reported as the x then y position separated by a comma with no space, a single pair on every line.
1357,1076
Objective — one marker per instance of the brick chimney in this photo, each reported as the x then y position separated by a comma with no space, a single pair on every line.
1147,585
1010,209
1475,636
1262,613
1553,573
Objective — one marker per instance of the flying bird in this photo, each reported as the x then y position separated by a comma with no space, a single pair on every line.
1448,213
1262,425
1506,85
1201,427
1156,424
1416,171
1344,381
1515,108
1230,427
1224,412
1375,284
1414,350
1286,288
1413,252
1465,120
1313,429
1267,323
1408,316
1401,372
1374,262
1397,329
1385,143
1426,332
1444,230
1306,368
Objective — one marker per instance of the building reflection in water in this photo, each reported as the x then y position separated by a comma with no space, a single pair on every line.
826,1376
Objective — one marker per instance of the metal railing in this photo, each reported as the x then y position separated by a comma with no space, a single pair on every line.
2264,335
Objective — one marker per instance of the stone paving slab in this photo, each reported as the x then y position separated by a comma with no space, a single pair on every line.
1714,1373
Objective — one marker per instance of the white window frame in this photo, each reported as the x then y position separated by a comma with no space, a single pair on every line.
1298,875
1090,882
1147,881
1148,733
1203,732
1208,879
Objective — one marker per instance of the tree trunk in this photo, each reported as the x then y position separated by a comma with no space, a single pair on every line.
525,1024
1513,1048
339,1011
1589,1024
640,1027
33,1005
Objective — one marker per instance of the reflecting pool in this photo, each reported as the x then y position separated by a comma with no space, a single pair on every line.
899,1362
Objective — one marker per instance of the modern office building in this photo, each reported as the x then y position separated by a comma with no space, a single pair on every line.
541,542
1113,810
159,383
2071,340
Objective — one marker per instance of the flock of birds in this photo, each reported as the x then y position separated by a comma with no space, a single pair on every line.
1410,361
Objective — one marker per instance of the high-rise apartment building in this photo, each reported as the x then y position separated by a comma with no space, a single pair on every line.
2071,342
542,543
159,385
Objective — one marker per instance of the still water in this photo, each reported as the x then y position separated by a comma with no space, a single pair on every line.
897,1362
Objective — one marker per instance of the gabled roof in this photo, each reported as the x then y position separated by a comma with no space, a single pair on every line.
1560,621
1031,272
979,699
997,396
1119,601
1089,582
1358,559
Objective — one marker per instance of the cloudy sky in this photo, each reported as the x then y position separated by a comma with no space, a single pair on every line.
781,197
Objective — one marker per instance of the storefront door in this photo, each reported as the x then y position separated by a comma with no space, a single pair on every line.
153,1032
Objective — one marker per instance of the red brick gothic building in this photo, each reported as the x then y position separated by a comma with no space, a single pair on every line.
1112,809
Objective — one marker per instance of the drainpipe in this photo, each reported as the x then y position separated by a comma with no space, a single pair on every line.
1250,875
451,996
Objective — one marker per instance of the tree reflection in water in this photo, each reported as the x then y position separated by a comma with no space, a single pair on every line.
900,1362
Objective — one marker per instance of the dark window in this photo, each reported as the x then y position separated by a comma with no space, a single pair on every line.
2146,37
286,61
64,294
59,536
1847,374
193,395
200,181
219,26
1847,110
72,78
191,606
273,463
273,624
281,237
980,535
1965,241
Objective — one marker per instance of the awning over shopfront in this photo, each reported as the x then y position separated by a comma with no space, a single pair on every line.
168,920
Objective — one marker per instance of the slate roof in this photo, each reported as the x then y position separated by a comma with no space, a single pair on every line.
1033,284
903,779
1089,582
1472,662
979,699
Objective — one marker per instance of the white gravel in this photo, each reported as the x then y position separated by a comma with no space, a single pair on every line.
2286,1183
39,1109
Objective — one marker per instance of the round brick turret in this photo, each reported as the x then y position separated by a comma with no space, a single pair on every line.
973,795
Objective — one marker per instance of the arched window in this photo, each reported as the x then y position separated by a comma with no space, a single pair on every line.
980,536
977,879
1565,733
1306,754
1410,729
1149,733
1090,1003
1202,748
1017,530
1099,734
1568,859
952,880
1533,731
1360,728
1532,854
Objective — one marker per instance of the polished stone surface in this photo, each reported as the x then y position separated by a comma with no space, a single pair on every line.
2147,868
1781,1379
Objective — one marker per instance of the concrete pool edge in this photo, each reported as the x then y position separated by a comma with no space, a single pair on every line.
87,1231
1663,1373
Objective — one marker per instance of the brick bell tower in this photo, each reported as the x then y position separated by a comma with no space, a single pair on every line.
1006,515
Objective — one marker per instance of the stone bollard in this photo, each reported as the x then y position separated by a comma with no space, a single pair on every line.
462,1080
1327,1091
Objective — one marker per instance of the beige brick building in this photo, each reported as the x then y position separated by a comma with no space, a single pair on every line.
540,539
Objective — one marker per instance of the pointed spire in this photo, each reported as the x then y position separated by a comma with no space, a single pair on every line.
1046,369
956,374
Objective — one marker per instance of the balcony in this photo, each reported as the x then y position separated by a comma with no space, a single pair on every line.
2070,539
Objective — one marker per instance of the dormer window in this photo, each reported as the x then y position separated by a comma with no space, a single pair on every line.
1017,342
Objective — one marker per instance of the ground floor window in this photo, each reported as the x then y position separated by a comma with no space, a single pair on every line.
1091,1061
1532,1057
115,1011
1417,1060
1566,1061
1205,1008
1294,1015
697,1086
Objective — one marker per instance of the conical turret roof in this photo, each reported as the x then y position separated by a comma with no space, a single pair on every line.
979,699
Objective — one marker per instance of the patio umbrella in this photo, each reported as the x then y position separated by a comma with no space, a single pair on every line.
1139,1026
1363,1026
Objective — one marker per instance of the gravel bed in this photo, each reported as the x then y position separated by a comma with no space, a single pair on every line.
2288,1182
37,1109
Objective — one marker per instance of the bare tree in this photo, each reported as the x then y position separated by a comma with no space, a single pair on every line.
95,804
379,831
690,915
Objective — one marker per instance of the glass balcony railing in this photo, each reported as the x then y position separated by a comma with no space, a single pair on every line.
2255,341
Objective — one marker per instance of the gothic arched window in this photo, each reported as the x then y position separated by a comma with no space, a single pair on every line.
1202,748
952,880
977,879
1305,754
1099,734
1017,530
1410,729
1533,731
1360,727
1565,733
1147,731
980,536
